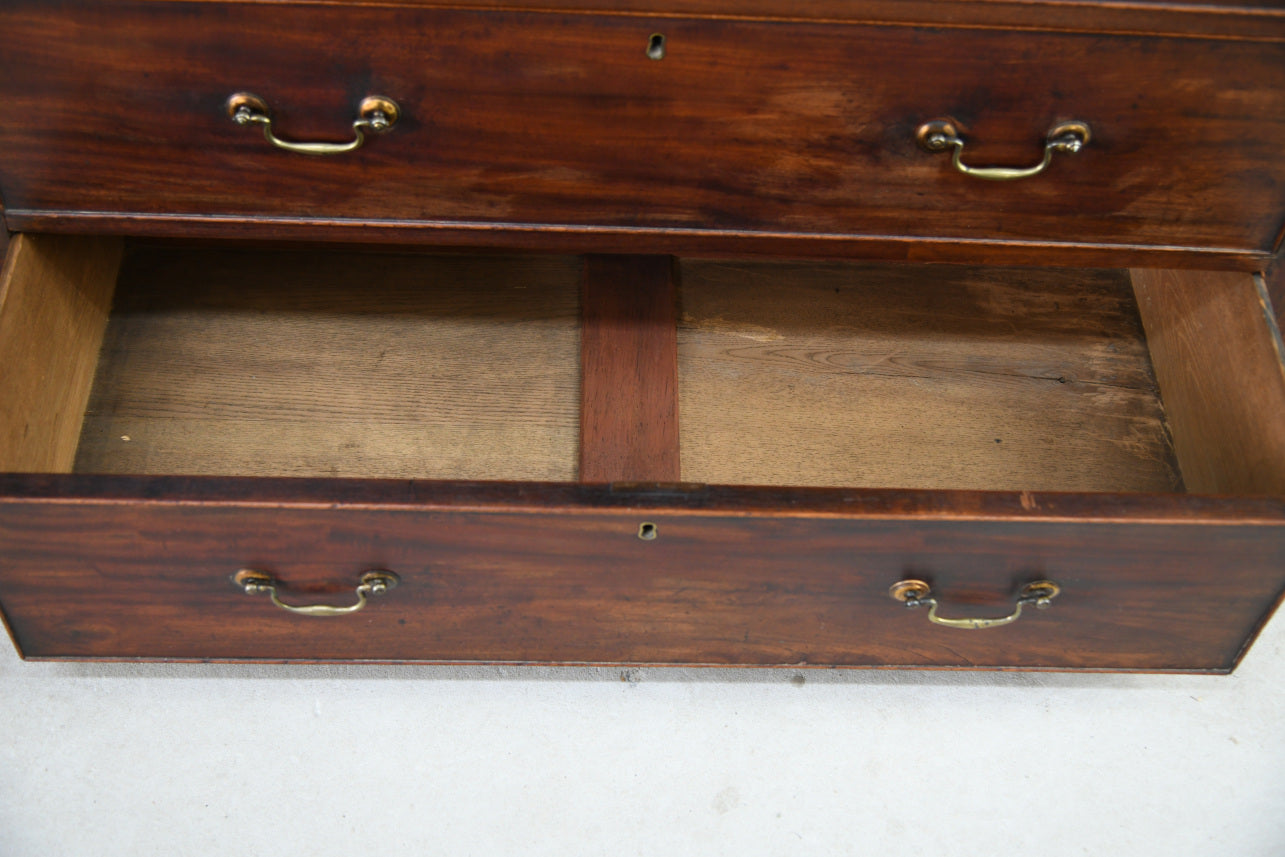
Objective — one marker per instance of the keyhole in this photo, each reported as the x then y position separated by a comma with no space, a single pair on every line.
656,46
647,531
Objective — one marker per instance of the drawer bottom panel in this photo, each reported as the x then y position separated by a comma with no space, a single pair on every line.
130,580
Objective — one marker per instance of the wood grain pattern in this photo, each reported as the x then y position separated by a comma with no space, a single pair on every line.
560,121
923,377
1218,360
255,362
532,576
4,233
629,360
570,239
692,498
1274,283
1246,19
55,294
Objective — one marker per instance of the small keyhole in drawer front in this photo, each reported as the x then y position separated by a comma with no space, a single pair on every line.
647,531
656,46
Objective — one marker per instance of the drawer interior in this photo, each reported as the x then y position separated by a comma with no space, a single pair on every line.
252,361
918,377
337,364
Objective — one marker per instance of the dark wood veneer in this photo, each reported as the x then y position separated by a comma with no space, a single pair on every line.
629,365
561,121
547,573
1247,19
564,238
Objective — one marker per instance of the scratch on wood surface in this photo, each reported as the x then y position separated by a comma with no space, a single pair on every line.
743,329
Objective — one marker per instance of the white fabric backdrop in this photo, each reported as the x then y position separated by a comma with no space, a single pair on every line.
266,760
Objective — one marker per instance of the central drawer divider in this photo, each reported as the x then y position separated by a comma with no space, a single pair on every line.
629,359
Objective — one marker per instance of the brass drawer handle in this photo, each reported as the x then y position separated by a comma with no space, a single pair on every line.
917,593
939,135
376,114
372,583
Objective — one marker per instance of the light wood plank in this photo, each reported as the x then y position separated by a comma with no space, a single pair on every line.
629,359
339,364
1217,356
1274,280
4,232
917,377
55,295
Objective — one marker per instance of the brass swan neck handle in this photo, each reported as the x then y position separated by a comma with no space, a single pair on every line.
376,114
375,582
917,593
941,134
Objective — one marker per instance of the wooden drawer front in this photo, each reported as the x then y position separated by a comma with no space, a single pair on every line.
133,579
527,121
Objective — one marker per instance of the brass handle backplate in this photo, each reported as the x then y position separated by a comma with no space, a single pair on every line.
258,582
917,593
376,114
941,134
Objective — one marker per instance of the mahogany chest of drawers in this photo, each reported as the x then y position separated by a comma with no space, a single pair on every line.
647,331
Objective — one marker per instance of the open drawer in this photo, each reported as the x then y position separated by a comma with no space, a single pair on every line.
633,459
